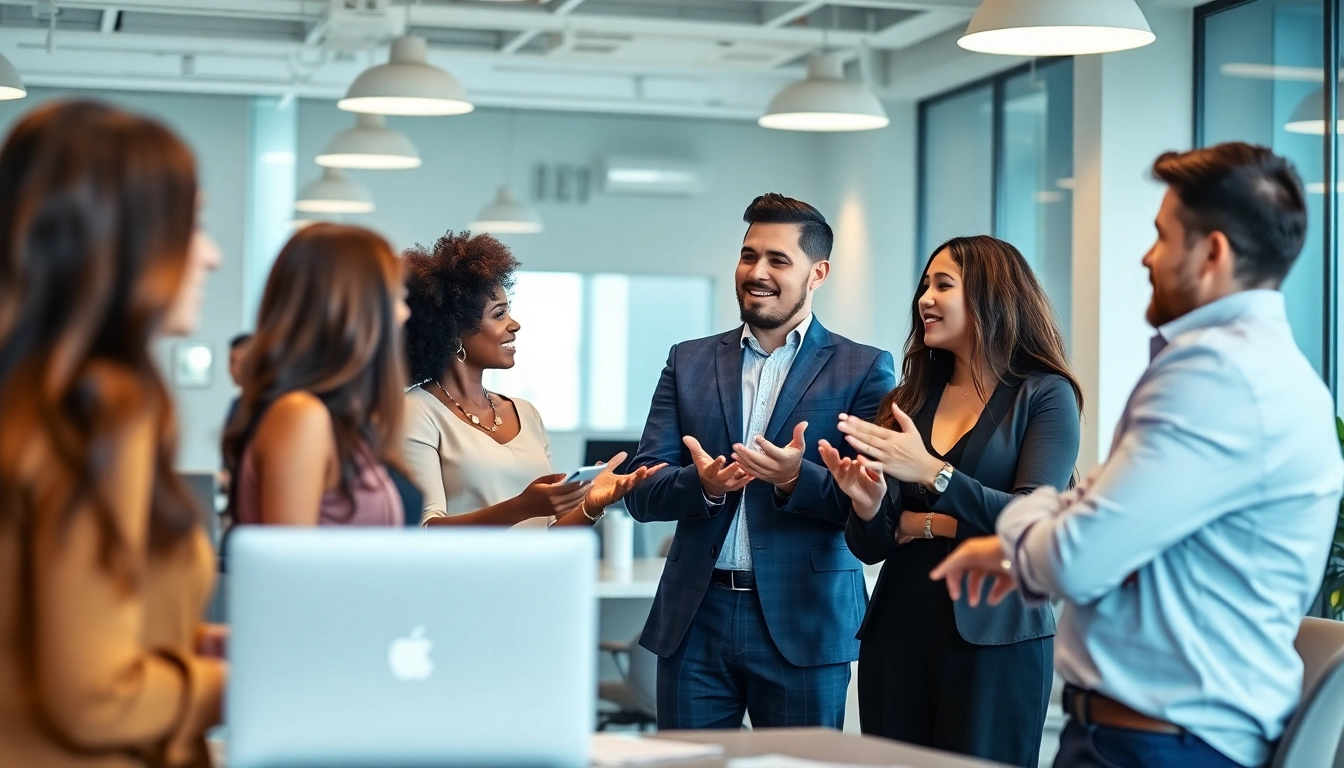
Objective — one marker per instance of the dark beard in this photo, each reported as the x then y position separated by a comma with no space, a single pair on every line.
764,320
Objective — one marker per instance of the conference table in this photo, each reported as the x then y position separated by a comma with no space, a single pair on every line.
818,744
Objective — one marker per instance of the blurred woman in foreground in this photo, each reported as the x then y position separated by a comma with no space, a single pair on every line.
105,568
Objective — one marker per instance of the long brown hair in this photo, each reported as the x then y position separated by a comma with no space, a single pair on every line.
1010,322
97,212
327,326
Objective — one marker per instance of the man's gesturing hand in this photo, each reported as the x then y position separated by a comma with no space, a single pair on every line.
717,476
776,466
977,559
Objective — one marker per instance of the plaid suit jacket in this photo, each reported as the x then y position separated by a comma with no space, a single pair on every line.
810,587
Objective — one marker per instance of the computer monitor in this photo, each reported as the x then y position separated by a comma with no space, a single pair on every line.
404,647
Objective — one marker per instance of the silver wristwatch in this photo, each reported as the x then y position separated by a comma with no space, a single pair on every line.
944,477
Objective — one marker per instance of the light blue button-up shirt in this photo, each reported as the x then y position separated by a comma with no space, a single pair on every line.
1189,558
763,377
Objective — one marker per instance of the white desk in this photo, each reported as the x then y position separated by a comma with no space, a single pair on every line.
640,581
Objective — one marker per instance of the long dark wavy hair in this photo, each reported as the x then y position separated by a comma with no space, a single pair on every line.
1010,321
97,213
327,326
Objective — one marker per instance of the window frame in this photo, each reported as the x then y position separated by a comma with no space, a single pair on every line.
996,83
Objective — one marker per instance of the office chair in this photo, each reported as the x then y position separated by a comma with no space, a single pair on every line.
636,693
1312,738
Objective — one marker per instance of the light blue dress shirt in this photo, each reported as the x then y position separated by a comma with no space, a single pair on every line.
763,377
1190,557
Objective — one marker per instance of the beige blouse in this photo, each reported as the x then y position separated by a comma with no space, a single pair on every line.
460,468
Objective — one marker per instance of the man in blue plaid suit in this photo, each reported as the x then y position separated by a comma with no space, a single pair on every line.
760,599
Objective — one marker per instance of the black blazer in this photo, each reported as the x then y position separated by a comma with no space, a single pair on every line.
1028,437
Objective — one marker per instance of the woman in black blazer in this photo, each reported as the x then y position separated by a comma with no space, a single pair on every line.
992,413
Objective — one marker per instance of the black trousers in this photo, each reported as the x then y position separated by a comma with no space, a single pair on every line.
921,683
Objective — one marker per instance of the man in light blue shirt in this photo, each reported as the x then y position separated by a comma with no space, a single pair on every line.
1188,559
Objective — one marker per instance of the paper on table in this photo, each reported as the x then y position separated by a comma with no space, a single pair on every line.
785,761
630,749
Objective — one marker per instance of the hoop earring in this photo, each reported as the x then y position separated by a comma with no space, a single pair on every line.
461,353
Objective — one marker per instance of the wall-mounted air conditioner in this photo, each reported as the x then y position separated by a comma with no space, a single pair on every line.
630,175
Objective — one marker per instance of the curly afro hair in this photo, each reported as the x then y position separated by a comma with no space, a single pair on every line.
447,289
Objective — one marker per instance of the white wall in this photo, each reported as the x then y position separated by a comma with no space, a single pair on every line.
868,183
863,183
1129,107
216,128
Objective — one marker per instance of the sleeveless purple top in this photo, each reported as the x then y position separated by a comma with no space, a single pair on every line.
376,501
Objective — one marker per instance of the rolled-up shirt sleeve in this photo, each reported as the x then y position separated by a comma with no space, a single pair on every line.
1182,460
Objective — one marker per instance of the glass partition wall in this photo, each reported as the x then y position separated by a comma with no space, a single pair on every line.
1268,72
996,157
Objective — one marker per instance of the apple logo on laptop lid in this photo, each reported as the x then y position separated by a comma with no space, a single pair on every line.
408,657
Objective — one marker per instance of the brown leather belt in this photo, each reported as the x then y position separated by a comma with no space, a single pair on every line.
1090,707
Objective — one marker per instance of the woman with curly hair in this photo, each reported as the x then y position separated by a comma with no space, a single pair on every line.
479,457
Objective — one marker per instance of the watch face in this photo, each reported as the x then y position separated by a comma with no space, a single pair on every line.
940,484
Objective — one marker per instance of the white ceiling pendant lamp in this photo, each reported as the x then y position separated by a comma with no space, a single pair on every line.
505,215
406,85
1056,27
11,86
334,193
370,145
1309,115
825,101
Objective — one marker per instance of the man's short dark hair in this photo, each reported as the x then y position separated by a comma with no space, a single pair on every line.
814,234
1251,195
239,340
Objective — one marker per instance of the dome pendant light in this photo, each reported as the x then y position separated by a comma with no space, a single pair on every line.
370,145
1056,27
825,101
406,85
507,216
11,87
334,193
1309,115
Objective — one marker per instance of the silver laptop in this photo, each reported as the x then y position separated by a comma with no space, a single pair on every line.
409,647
